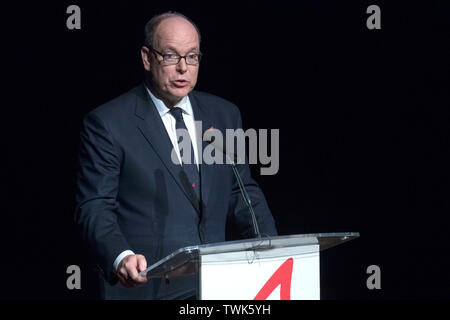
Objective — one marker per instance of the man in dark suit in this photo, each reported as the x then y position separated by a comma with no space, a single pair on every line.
135,204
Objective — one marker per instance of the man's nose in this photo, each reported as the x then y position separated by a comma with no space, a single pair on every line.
181,65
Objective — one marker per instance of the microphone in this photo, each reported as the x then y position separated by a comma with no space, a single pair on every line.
244,193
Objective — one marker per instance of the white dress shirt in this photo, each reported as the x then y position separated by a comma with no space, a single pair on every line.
169,123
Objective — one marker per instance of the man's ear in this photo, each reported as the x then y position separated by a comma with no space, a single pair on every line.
145,54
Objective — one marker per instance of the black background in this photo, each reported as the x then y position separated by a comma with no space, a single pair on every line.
363,118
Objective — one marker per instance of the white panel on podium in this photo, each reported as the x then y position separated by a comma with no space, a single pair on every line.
241,275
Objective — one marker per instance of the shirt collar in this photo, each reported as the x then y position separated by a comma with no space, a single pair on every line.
184,104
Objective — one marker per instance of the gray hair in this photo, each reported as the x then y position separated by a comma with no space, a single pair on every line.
153,23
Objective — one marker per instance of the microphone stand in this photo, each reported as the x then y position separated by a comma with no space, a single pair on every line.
245,196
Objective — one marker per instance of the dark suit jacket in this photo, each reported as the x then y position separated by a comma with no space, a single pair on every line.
130,195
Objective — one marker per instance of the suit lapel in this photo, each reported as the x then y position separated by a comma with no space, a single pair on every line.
153,129
207,171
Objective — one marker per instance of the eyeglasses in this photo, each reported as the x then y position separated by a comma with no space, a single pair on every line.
173,58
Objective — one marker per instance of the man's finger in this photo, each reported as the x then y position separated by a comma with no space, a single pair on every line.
142,265
142,262
123,273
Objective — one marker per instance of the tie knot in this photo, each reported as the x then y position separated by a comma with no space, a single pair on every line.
177,113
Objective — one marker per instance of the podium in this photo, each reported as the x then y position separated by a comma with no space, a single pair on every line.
282,267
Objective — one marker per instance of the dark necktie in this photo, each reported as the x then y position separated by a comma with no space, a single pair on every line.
189,166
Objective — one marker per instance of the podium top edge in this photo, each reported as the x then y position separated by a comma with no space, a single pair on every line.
324,240
183,255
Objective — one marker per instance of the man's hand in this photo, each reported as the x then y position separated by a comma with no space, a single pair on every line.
129,268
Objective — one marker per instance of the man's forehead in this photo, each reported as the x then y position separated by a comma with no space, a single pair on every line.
176,28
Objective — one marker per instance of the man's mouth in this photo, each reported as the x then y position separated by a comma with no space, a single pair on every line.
180,83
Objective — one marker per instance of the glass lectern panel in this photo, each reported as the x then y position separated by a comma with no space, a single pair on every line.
185,261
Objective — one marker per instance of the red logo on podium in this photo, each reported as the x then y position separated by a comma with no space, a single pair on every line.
282,277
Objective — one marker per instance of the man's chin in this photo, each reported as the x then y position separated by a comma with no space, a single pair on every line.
180,93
